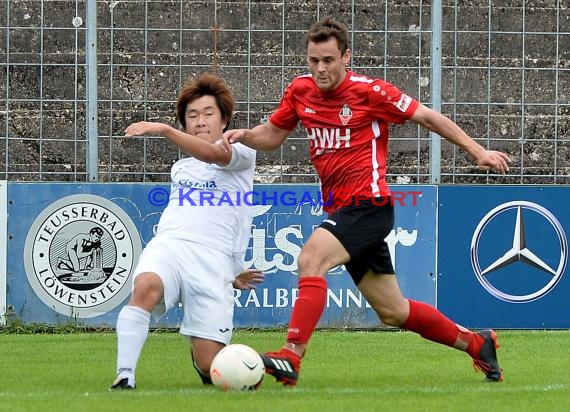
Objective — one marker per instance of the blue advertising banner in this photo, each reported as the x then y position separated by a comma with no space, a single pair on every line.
50,282
3,247
503,254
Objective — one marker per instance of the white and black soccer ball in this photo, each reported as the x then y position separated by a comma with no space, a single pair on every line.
237,367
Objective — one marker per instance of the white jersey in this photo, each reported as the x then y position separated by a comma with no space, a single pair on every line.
205,206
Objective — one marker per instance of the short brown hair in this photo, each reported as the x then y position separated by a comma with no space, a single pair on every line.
208,84
323,30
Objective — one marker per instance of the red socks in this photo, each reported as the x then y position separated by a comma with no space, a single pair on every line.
433,325
308,309
424,319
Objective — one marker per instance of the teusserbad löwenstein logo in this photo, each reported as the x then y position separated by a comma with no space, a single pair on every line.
79,254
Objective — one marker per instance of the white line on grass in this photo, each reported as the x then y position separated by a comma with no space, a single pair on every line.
484,387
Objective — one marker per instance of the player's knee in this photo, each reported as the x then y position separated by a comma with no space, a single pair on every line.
303,261
309,264
147,291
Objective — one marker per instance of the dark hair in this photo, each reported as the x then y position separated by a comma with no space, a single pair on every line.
96,230
323,30
208,84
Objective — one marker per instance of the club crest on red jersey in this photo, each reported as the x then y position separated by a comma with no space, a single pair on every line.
345,114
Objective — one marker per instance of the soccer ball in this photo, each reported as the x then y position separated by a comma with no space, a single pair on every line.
237,367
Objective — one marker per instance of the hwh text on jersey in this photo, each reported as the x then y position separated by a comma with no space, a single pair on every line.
328,138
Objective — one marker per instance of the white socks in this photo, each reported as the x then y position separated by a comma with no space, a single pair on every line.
132,330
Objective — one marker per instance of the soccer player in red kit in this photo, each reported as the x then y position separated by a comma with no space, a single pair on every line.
347,118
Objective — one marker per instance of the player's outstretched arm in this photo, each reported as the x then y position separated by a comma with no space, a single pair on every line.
264,137
189,144
436,122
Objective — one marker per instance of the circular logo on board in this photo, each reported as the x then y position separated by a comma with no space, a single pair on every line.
520,252
79,254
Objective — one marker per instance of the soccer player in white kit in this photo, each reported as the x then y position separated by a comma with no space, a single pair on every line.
201,240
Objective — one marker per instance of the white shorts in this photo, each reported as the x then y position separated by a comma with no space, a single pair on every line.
198,277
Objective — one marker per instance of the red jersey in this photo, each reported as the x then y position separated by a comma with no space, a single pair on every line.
348,131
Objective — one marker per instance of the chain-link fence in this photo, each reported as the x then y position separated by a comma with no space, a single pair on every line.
503,75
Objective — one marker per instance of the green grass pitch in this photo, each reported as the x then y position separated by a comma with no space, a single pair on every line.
342,371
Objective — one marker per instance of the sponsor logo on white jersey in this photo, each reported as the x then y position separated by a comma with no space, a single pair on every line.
210,184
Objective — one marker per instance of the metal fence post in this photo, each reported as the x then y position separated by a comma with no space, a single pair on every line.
92,155
435,58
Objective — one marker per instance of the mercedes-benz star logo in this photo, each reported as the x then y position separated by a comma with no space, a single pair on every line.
519,252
